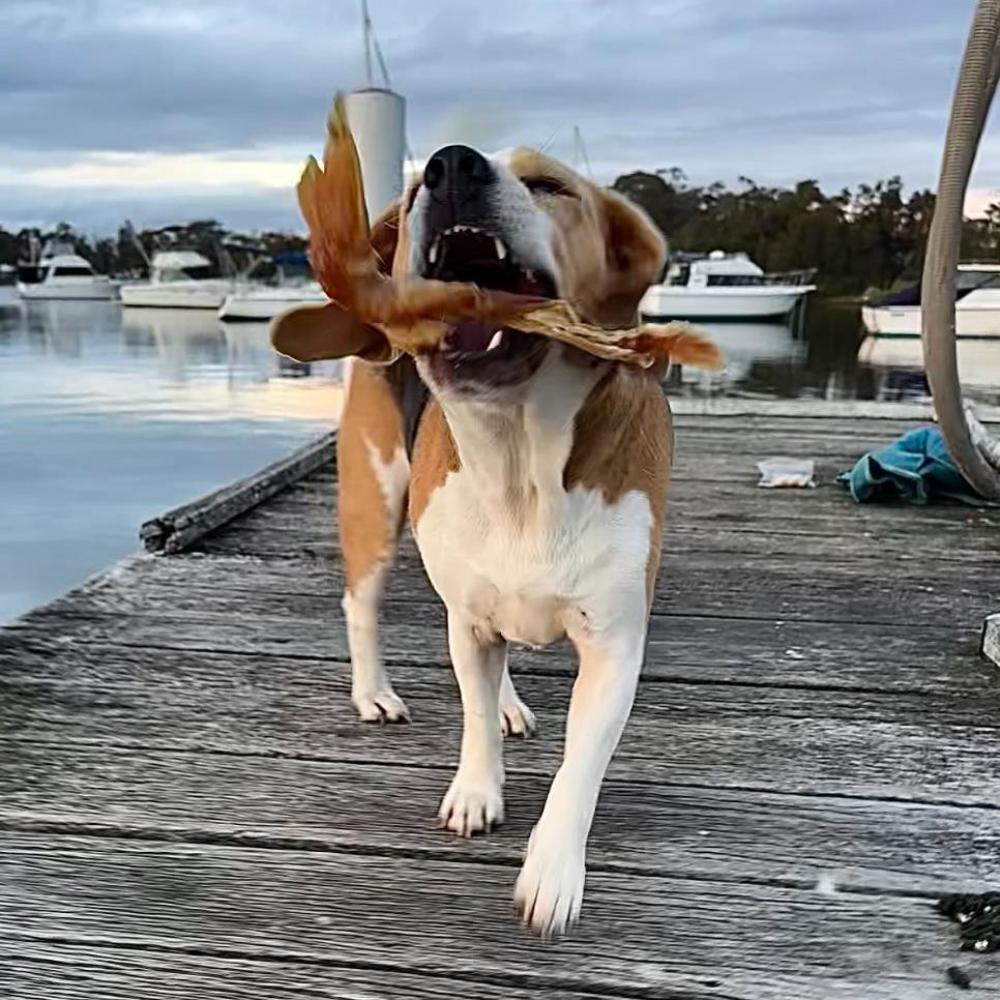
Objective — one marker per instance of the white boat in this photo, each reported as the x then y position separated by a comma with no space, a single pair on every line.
62,275
249,303
179,279
977,306
273,285
723,286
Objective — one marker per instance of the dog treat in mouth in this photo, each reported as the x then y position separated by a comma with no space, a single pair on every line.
415,314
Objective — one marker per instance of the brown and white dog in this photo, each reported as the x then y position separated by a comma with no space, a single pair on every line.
537,483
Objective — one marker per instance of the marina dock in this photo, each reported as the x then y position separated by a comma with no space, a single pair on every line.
189,808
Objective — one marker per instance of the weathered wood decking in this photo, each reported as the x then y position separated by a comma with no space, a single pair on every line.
188,808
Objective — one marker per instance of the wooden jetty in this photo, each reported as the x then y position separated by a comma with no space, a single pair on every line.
188,808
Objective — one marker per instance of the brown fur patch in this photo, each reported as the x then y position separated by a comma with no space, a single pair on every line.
623,441
607,250
434,456
372,419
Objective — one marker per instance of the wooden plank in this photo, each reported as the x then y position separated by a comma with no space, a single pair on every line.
827,510
177,529
639,934
942,748
709,650
281,534
652,829
853,589
830,411
38,970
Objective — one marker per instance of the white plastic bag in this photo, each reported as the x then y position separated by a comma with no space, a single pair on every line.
782,472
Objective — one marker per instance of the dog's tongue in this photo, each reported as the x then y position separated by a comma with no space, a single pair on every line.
473,335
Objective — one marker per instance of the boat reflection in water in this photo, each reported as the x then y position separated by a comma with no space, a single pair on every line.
748,348
898,366
227,359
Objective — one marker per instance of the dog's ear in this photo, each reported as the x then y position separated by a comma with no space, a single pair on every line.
636,253
323,332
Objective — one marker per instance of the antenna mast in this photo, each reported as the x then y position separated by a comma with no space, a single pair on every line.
366,34
580,151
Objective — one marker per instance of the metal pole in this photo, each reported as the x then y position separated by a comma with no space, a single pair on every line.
973,95
366,31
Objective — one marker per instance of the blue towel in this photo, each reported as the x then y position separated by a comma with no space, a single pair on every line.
916,468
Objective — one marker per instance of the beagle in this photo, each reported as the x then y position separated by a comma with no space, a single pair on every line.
537,480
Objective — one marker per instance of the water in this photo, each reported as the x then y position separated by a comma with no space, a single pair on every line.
825,354
109,417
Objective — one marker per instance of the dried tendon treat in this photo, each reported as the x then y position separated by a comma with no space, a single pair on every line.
416,314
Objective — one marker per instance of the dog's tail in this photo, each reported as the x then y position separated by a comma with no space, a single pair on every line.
682,344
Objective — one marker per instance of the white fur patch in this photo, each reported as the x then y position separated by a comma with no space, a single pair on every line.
371,690
506,546
393,476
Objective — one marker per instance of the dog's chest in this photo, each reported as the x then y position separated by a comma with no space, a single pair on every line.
535,567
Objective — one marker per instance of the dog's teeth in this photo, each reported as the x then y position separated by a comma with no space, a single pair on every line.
432,253
495,341
501,249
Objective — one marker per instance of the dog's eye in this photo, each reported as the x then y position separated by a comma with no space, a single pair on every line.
548,186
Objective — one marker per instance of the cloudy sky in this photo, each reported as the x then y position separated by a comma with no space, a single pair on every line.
165,110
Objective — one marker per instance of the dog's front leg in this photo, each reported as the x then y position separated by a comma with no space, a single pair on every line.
549,889
474,801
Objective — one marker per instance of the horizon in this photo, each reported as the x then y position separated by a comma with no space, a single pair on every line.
977,202
115,111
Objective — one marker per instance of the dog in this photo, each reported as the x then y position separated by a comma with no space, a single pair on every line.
536,479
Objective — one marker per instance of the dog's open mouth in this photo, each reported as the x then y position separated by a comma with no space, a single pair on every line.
481,350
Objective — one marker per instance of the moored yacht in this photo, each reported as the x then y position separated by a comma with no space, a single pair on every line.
179,279
281,282
59,273
723,286
977,306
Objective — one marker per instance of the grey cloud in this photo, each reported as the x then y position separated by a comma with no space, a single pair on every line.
101,211
781,89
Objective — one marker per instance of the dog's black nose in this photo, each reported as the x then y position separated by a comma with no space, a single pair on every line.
458,172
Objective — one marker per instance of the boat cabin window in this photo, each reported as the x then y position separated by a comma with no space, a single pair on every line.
680,275
72,272
199,271
966,281
742,280
195,271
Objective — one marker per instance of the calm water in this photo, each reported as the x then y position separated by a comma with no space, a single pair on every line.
825,355
109,417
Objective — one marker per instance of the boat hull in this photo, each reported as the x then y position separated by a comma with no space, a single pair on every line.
176,295
765,302
265,304
68,289
904,321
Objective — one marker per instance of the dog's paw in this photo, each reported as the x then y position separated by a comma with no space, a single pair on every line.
549,890
473,804
516,719
380,705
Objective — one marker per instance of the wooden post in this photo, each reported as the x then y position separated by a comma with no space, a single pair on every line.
183,526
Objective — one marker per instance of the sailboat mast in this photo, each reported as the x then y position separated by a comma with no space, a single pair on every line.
366,35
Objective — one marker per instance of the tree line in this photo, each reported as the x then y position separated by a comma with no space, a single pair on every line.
121,254
871,237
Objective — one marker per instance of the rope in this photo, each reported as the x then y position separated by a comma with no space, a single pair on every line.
977,83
